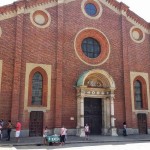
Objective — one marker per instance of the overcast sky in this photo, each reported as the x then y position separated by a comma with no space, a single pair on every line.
140,7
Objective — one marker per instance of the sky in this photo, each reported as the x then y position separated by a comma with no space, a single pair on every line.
140,7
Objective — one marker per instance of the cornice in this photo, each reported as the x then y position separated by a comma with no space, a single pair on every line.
25,7
122,9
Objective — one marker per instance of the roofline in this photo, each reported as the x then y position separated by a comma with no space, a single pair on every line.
25,6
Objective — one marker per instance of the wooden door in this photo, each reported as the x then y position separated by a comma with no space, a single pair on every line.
36,123
142,123
93,114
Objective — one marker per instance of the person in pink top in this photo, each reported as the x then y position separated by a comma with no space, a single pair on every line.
18,130
63,131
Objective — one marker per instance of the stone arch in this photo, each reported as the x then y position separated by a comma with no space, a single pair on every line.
102,86
102,75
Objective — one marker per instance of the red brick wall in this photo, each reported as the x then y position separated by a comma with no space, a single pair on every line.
54,46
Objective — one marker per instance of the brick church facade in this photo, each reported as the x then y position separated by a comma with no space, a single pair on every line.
72,62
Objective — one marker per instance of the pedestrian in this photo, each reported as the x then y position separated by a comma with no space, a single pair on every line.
1,128
124,129
0,131
2,122
63,131
45,134
9,127
87,131
18,130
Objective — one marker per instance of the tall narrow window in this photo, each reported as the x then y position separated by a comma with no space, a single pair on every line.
138,94
37,88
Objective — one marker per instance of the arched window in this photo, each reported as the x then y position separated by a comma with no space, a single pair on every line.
138,94
37,88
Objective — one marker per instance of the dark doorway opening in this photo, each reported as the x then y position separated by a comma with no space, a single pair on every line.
142,123
36,123
93,114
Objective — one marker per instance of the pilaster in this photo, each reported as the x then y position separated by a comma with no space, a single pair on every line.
113,128
126,73
15,113
80,115
59,64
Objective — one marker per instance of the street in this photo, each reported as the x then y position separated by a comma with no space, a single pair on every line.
87,146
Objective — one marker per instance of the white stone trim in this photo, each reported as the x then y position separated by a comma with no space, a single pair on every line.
133,75
131,20
37,25
11,14
0,31
78,54
106,3
29,68
92,17
1,64
105,74
27,10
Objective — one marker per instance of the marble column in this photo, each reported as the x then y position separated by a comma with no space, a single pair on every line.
113,129
80,123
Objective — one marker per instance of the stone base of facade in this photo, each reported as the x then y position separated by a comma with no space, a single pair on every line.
114,132
79,132
130,131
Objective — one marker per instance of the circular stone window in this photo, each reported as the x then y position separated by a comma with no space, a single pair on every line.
137,34
92,47
91,9
40,18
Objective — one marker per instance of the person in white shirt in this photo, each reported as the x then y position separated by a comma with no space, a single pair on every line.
87,131
45,134
63,132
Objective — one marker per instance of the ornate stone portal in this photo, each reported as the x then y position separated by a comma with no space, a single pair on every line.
96,84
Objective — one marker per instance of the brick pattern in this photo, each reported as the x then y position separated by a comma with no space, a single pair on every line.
22,42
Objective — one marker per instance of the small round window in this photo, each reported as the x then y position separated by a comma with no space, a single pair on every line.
136,34
90,9
91,47
40,18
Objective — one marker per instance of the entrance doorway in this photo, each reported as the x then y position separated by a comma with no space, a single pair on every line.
36,123
142,123
93,114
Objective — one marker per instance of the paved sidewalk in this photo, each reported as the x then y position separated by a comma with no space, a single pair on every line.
76,139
